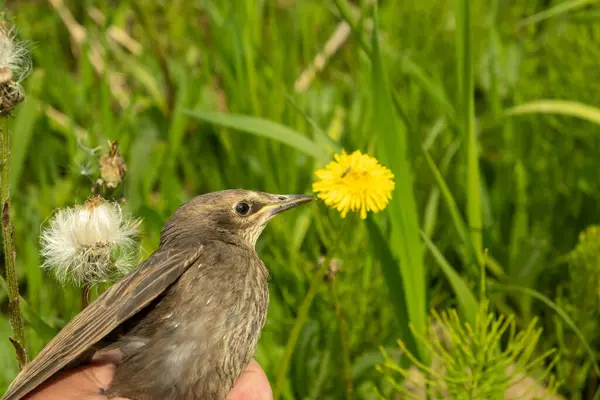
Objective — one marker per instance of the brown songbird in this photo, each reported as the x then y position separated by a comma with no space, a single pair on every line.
188,319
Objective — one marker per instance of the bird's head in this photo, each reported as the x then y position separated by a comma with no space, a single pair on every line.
236,216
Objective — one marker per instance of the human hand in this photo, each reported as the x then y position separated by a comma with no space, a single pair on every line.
84,383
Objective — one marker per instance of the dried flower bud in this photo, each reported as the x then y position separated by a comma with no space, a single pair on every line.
91,243
334,267
14,66
112,167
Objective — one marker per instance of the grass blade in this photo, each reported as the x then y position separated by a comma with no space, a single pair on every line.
466,300
393,280
457,219
394,151
264,128
466,118
561,107
321,138
555,11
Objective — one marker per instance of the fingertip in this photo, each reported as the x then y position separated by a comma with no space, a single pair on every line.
102,374
252,384
254,366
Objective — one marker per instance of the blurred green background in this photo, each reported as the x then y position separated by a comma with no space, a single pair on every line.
484,110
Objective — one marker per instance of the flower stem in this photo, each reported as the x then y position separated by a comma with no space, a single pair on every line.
14,311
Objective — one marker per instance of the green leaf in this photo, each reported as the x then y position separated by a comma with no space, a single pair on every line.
321,138
499,287
466,120
393,280
555,11
44,331
393,148
455,215
466,299
264,128
561,107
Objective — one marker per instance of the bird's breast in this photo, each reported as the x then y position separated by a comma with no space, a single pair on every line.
196,339
225,307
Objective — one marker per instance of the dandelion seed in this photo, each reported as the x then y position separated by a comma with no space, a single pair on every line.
13,53
355,182
91,243
14,67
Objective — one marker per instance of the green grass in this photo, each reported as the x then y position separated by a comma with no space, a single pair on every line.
486,112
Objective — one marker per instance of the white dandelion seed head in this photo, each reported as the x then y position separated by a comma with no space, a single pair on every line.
14,55
90,243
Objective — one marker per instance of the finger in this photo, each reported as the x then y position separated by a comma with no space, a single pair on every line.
252,384
81,383
84,382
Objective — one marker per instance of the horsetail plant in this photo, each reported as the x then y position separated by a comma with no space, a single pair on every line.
468,362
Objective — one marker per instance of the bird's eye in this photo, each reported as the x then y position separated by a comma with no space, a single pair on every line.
242,208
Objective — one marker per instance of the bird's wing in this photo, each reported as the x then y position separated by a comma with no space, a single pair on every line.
119,303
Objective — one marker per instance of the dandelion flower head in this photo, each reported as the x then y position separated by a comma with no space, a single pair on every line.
355,182
90,243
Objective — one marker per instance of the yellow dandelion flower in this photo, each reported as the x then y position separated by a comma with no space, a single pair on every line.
355,182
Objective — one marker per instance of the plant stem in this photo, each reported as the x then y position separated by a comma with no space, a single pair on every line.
301,318
14,311
344,342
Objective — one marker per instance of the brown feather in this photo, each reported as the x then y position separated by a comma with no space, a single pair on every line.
100,318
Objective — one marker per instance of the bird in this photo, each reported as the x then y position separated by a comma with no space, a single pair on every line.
188,319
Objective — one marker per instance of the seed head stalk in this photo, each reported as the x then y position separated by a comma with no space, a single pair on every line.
14,66
14,310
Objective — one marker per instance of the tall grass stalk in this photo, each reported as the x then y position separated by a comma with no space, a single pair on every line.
394,147
465,79
14,311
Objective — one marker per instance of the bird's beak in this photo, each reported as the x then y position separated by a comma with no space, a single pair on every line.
283,203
